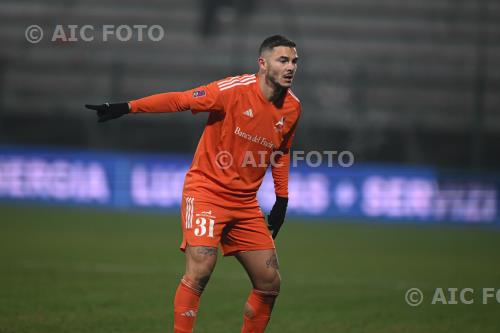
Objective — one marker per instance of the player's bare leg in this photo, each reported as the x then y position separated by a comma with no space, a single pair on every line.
200,263
263,270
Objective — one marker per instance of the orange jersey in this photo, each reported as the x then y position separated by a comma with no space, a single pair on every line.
243,135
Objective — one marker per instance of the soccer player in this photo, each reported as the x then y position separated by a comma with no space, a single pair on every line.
251,124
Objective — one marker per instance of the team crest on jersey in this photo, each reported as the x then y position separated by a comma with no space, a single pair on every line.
279,125
198,93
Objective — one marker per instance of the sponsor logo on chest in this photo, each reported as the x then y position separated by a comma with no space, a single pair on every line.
254,138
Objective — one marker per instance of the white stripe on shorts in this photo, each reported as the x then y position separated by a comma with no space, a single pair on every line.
186,218
189,212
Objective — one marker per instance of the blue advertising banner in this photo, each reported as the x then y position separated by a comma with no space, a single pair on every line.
361,191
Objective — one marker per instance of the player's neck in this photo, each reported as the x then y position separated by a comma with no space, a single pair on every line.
270,91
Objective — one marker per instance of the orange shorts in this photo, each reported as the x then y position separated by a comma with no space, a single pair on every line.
235,229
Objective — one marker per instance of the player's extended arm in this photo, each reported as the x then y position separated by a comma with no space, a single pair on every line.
109,111
204,98
280,168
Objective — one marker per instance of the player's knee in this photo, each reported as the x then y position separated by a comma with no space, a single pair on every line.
200,274
200,264
201,279
269,282
276,282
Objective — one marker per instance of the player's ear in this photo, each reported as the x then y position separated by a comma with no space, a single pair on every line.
262,63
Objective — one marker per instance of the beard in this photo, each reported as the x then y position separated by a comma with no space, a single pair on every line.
273,78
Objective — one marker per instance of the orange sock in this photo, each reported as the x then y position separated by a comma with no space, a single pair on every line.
186,303
258,311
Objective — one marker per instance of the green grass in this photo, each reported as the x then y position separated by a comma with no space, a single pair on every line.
69,270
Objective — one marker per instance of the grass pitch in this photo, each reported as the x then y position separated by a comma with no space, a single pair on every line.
69,270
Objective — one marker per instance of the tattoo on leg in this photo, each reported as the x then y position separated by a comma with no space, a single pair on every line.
203,281
272,262
208,251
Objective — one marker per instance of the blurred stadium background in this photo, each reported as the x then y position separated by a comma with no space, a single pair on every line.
88,212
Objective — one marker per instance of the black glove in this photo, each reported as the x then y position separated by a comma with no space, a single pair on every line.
108,111
276,217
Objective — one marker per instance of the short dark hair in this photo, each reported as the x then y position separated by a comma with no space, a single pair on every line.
277,40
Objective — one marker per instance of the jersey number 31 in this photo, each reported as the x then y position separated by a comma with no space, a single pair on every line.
201,228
